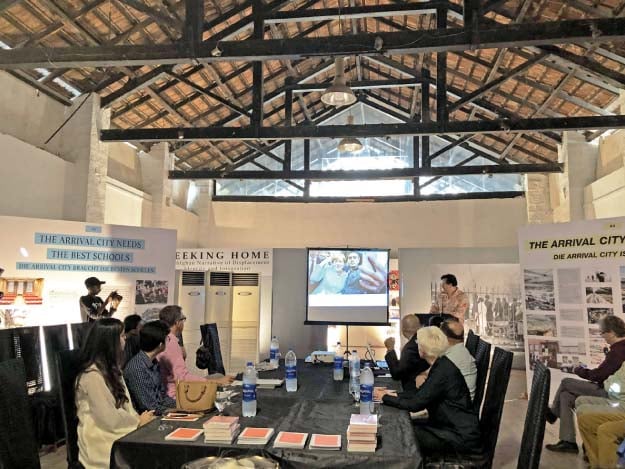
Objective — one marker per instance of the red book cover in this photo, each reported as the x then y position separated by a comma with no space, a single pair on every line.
185,434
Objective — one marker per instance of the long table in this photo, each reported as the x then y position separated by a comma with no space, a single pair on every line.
320,405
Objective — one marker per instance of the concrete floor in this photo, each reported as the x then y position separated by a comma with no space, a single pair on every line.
507,447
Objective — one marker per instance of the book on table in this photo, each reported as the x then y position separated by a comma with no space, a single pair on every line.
221,421
221,429
181,417
255,436
355,447
184,434
328,442
290,440
357,435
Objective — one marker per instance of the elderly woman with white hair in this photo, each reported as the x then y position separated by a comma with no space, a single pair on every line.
452,423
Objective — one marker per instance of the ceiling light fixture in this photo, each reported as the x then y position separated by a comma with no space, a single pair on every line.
338,94
350,144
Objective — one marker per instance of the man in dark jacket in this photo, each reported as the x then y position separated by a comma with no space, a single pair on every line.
613,332
410,364
452,423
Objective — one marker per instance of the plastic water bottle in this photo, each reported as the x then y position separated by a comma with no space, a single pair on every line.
354,375
290,363
366,390
274,351
249,391
338,363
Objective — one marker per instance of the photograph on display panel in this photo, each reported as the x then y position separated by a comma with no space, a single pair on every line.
539,290
151,291
495,307
599,295
596,314
541,325
597,276
543,351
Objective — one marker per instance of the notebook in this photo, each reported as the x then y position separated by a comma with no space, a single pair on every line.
361,447
263,383
290,440
364,420
181,417
185,434
329,442
356,435
255,436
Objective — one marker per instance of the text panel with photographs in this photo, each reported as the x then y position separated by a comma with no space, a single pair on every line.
46,263
573,275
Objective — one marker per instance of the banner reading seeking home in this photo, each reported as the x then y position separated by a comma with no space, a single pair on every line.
256,260
573,274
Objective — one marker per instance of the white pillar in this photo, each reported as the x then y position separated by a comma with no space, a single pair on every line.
79,143
580,159
155,166
538,199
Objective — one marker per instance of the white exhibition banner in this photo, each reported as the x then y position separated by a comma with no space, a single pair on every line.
250,260
573,275
46,262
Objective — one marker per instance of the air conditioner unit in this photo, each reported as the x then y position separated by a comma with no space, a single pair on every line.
245,320
219,310
192,300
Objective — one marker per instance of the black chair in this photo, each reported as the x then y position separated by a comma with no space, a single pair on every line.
210,340
535,419
490,419
482,360
79,332
67,366
18,445
472,341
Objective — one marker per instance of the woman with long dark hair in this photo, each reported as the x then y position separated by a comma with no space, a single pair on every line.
103,405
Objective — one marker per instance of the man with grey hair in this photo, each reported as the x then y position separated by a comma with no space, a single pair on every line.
410,364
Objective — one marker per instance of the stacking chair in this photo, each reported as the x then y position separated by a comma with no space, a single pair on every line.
490,419
18,444
482,359
67,366
535,419
472,341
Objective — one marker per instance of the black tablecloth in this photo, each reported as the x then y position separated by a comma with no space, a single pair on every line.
320,405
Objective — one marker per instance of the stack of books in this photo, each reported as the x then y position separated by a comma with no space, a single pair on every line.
255,436
362,433
221,429
290,440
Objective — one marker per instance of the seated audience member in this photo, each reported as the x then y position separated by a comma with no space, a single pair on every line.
132,326
171,360
143,374
613,332
601,421
458,353
410,364
103,406
452,423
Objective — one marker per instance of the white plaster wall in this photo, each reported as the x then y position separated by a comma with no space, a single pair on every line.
27,114
463,223
33,181
126,205
186,223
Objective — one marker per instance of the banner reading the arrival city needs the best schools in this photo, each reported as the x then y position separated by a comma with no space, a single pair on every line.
46,262
573,275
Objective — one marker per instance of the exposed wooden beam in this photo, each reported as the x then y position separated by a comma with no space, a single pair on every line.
158,15
364,131
351,175
400,42
365,11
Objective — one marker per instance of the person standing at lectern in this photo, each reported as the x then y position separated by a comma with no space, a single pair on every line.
410,364
454,301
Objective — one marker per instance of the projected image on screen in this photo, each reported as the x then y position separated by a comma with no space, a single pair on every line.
348,286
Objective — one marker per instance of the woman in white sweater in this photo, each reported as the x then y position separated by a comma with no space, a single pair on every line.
103,405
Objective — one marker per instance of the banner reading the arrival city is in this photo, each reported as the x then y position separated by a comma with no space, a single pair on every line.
573,274
46,263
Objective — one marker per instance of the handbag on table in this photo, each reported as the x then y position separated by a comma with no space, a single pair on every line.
195,396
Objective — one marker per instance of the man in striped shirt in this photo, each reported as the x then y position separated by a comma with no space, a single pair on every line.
142,373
